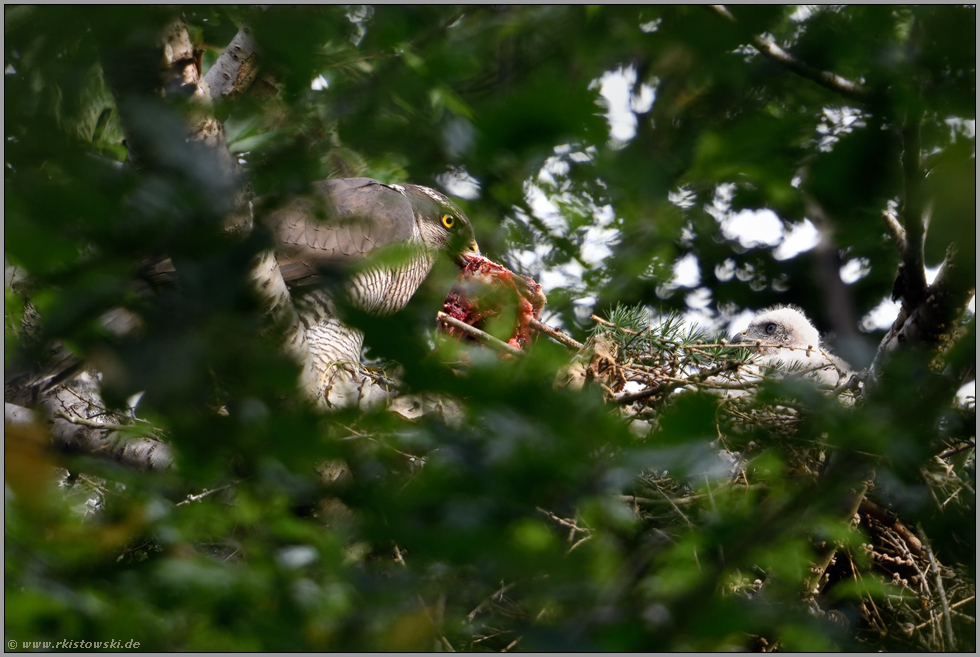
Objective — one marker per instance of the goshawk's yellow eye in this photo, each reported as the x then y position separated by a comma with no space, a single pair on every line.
448,220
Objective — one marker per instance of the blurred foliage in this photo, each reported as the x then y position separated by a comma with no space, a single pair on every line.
540,521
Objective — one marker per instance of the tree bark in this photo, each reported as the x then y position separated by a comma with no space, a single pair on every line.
141,453
236,68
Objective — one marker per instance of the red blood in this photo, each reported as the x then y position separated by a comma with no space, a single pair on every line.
466,303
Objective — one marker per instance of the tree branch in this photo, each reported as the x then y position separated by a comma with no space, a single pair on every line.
825,554
556,335
825,79
69,437
910,285
927,324
895,231
236,68
838,303
481,336
727,366
947,620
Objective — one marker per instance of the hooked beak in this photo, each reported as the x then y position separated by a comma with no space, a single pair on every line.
469,252
738,337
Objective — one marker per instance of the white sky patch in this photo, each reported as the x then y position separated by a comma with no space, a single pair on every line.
854,270
701,317
563,275
801,13
758,227
319,83
725,270
801,237
973,305
958,126
545,209
560,210
747,51
583,156
614,87
837,122
623,101
358,15
530,259
596,246
583,308
722,201
651,26
599,237
968,390
687,272
699,299
882,316
698,318
554,166
740,322
458,182
931,273
682,198
753,228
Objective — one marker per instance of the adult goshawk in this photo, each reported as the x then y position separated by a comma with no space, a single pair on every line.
334,229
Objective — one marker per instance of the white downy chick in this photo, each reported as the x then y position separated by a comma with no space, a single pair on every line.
789,341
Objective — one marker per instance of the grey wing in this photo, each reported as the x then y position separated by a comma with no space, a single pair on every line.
342,222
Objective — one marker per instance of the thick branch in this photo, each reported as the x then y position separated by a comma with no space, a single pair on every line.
825,79
235,70
933,319
71,438
837,297
938,575
911,282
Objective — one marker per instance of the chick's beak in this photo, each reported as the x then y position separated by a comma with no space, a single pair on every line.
738,337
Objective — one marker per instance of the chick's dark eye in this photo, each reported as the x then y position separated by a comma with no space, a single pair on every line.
770,328
448,220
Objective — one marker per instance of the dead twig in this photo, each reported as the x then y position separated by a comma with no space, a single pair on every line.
556,335
728,366
895,230
92,424
497,594
947,621
677,509
480,336
951,608
969,444
200,496
599,320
